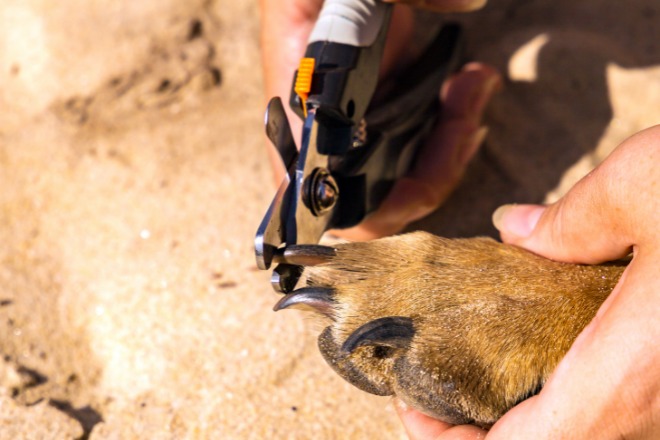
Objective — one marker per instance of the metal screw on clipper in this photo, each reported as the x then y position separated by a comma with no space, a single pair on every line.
320,191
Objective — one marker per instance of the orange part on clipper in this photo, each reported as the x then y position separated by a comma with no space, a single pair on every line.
304,81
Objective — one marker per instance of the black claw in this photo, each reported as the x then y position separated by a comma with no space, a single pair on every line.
305,255
343,365
391,331
317,299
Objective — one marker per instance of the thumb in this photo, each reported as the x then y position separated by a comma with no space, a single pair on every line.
603,216
569,231
579,228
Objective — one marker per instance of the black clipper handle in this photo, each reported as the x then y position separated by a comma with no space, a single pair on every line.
370,148
395,130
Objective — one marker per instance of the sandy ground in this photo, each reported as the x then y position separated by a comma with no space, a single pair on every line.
133,176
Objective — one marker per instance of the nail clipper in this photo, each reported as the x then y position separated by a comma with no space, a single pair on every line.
353,149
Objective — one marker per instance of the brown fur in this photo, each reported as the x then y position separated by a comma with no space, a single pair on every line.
491,321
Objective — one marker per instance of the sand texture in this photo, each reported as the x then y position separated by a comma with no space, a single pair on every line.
133,176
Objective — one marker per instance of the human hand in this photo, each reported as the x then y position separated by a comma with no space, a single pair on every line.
608,384
441,163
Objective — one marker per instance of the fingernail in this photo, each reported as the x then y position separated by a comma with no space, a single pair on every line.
483,94
470,146
517,220
499,214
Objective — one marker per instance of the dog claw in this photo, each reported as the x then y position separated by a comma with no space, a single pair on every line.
305,255
391,331
317,299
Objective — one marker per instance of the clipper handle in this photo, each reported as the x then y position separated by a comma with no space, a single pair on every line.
351,22
339,72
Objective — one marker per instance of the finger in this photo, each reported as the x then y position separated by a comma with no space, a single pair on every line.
408,200
465,94
417,425
422,427
571,230
602,217
443,5
608,385
442,161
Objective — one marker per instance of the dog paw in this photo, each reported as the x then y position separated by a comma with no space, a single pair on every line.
461,329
